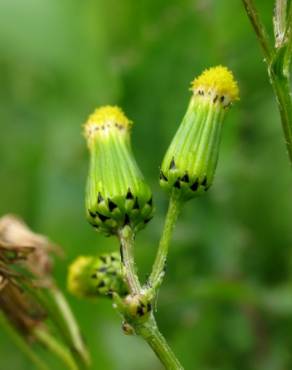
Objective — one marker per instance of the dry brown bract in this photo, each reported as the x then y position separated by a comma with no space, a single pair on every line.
18,244
24,264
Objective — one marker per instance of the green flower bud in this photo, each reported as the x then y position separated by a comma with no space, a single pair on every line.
189,165
117,194
90,276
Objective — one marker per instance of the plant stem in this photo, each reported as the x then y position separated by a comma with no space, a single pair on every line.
147,330
280,21
278,60
70,323
258,28
281,86
22,344
56,347
151,334
174,208
127,237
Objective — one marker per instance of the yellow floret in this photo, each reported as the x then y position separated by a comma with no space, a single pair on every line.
219,79
108,114
75,272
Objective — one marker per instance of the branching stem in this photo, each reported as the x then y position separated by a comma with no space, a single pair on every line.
146,329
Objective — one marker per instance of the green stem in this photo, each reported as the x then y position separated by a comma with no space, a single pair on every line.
159,265
288,38
22,344
278,61
258,28
56,347
151,334
147,330
281,86
70,323
126,237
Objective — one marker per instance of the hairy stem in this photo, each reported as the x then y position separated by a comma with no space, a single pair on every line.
147,329
126,237
56,347
151,334
161,256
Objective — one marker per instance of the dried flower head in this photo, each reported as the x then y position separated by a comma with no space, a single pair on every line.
19,243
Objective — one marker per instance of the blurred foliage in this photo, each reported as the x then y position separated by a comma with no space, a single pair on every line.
227,299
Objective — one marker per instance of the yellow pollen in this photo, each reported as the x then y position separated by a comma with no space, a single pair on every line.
107,116
219,80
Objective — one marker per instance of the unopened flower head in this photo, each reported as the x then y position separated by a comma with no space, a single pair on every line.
94,276
117,194
189,165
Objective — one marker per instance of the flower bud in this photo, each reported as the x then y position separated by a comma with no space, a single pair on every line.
117,194
90,276
189,165
137,306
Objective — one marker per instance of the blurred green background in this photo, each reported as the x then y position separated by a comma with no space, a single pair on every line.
226,302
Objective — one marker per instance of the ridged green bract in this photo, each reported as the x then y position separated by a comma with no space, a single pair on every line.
189,164
116,193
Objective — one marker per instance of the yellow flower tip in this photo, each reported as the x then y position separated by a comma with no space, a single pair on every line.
105,118
217,82
75,271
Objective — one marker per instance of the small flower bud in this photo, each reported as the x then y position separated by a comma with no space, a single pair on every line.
96,276
189,164
138,307
117,194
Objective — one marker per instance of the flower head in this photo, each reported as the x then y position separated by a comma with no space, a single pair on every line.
117,194
93,276
217,83
189,164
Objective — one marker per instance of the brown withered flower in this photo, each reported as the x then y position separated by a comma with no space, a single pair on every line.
23,312
24,264
18,244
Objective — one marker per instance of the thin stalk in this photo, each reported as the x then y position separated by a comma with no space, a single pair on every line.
278,61
70,323
22,344
126,237
281,86
158,268
151,334
259,28
56,347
